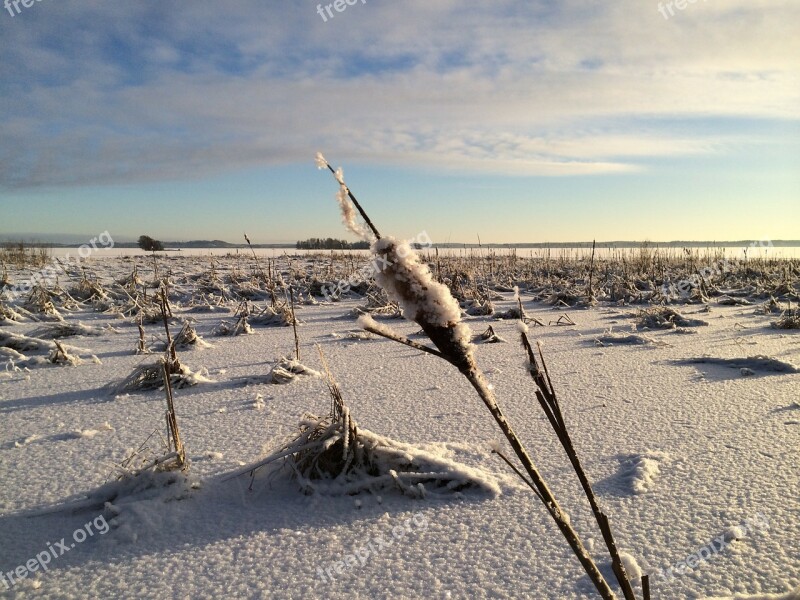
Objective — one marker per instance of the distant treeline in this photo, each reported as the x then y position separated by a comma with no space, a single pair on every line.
330,244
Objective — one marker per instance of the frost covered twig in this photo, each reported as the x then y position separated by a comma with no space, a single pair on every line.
367,323
322,164
431,305
172,422
548,400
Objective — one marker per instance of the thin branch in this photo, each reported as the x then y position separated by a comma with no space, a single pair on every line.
404,340
478,381
548,400
519,473
357,205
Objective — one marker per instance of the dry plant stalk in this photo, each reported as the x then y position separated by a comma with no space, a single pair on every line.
287,291
546,395
141,347
432,306
171,354
172,421
267,281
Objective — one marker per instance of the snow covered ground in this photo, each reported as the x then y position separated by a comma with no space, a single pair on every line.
695,461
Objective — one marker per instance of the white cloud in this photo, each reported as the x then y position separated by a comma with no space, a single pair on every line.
99,93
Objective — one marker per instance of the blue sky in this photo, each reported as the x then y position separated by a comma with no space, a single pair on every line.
515,121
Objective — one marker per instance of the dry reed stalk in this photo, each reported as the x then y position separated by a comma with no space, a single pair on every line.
546,395
287,291
172,421
433,308
141,348
267,281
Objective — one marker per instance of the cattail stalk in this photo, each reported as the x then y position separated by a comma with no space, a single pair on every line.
431,305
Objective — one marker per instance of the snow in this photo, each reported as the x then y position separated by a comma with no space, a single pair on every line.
410,283
632,567
679,454
646,469
790,595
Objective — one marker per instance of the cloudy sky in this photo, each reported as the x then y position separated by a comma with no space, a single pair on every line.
512,120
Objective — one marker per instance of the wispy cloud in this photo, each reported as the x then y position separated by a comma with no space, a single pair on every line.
97,93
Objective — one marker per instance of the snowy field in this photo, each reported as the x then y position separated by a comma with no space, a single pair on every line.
690,435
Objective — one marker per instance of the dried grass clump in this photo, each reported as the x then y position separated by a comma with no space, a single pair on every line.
512,314
727,300
280,316
477,308
789,319
206,306
132,281
748,365
23,343
150,376
14,361
333,457
61,355
9,316
610,338
769,307
89,291
664,317
489,337
188,337
246,290
142,378
388,311
684,331
286,370
40,302
307,300
147,474
353,335
58,331
106,306
17,344
155,482
517,313
63,299
571,298
148,315
240,327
